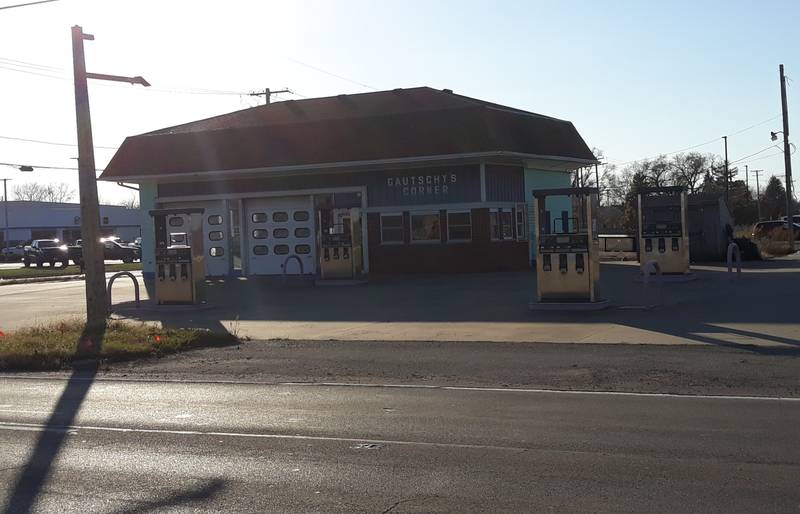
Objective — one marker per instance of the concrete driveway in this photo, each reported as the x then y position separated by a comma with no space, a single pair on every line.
475,307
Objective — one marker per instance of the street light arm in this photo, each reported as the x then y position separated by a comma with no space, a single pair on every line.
118,78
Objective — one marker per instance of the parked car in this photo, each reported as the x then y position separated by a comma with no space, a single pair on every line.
112,250
12,253
137,242
774,229
41,251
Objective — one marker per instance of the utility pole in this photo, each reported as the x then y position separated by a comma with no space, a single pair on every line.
597,183
746,176
727,173
267,94
787,160
96,298
758,193
5,206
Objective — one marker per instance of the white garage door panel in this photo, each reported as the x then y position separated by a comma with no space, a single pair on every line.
278,228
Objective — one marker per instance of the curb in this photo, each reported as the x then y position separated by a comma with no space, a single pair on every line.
55,278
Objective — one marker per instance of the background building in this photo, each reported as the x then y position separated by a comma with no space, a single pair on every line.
48,220
440,182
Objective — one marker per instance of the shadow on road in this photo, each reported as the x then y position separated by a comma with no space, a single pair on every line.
198,494
35,472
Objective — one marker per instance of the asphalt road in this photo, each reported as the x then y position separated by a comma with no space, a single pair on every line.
123,446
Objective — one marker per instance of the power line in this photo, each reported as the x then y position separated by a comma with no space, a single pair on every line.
716,139
52,142
27,4
326,72
752,154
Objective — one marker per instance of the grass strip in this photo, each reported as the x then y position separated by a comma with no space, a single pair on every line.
58,271
61,344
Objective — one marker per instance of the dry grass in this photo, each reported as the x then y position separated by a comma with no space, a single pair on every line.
60,344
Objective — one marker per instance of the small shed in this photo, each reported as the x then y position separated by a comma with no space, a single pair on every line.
708,217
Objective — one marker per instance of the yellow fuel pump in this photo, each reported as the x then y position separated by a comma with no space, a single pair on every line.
567,249
180,271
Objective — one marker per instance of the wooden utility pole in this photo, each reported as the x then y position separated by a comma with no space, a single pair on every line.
758,193
787,160
727,173
747,176
96,299
267,94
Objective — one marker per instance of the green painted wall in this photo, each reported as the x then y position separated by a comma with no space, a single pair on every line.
541,179
147,202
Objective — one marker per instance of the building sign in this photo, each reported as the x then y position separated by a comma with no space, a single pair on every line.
420,185
425,186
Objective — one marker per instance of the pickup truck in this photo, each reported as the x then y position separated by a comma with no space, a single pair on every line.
112,250
46,250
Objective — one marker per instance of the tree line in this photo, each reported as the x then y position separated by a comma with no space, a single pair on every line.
59,192
697,172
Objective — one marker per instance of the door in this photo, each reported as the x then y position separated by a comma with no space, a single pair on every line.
216,240
280,232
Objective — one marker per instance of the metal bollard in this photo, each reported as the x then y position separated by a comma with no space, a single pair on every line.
734,251
654,268
135,286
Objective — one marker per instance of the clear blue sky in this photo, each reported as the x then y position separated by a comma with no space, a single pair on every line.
637,78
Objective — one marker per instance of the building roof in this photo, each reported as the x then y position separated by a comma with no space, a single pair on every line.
396,124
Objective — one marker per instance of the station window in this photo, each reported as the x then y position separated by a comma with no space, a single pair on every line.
178,239
280,217
302,249
425,227
260,250
215,219
215,235
259,217
300,215
281,249
260,233
216,251
392,228
302,232
501,224
280,233
176,222
459,226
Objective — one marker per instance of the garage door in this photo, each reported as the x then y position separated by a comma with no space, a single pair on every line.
279,228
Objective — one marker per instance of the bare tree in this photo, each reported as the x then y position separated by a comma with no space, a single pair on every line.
132,202
689,170
36,192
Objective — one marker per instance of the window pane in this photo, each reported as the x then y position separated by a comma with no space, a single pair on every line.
280,217
458,218
281,249
302,249
494,227
425,227
176,222
280,233
259,233
300,215
507,220
260,250
259,217
215,235
215,220
302,232
392,221
216,251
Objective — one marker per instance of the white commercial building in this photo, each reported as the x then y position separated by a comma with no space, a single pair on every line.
48,220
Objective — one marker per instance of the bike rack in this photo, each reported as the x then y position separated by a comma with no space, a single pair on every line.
734,252
123,274
652,267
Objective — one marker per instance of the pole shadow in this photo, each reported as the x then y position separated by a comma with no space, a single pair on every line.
36,470
202,493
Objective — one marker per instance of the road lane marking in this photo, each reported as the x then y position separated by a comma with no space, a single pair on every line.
408,386
75,429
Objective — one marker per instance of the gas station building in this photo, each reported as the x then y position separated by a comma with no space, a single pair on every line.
401,181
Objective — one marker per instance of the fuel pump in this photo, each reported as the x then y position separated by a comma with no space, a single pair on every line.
340,243
663,229
180,272
567,249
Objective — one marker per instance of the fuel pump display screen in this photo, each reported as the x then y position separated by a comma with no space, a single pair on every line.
661,220
564,243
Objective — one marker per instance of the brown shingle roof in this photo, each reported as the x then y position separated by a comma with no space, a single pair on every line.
393,124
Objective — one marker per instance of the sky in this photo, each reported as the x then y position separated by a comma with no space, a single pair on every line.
637,78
